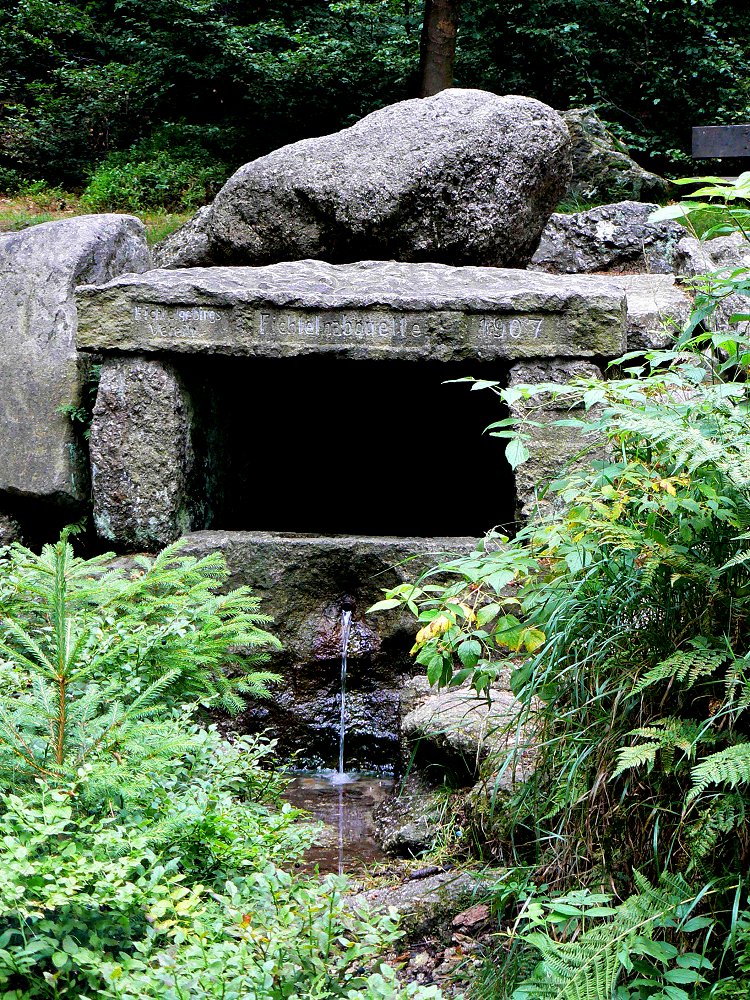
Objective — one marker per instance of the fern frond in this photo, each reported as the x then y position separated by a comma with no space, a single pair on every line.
730,766
629,758
685,666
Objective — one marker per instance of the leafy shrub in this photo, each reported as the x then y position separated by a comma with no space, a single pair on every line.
140,853
97,659
186,891
10,180
160,182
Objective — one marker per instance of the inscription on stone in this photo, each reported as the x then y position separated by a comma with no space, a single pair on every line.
257,330
179,321
330,327
519,328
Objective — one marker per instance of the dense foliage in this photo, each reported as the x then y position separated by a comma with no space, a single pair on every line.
622,614
212,84
142,854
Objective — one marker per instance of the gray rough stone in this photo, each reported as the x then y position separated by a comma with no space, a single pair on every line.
188,246
10,530
302,581
407,824
658,308
603,170
39,370
367,310
611,237
464,177
141,454
426,905
458,723
551,447
720,256
697,257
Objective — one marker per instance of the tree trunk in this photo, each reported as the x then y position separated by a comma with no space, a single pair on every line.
437,46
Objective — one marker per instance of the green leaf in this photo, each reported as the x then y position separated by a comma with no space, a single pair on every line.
385,605
469,652
487,612
516,452
435,669
60,959
499,580
681,976
69,945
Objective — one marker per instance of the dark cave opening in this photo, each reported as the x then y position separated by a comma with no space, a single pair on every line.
324,445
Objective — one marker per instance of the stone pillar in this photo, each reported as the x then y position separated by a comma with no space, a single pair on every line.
141,454
550,447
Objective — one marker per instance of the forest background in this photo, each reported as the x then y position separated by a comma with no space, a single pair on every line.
179,93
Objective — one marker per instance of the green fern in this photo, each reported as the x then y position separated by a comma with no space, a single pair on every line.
722,816
663,735
96,661
730,767
685,666
586,962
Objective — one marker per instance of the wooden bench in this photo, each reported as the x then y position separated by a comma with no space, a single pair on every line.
720,141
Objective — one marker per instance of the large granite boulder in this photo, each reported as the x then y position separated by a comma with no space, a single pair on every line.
658,308
464,177
40,378
603,169
616,237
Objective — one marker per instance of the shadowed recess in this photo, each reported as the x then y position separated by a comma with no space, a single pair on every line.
332,446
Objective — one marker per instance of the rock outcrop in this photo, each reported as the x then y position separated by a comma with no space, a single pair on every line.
464,177
615,237
40,378
603,170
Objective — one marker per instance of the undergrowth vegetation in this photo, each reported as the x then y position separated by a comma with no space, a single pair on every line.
142,853
621,613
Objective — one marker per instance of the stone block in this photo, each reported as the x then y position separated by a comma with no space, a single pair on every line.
141,454
368,310
551,447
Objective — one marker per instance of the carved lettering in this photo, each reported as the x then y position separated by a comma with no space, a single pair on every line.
502,333
174,322
362,327
509,328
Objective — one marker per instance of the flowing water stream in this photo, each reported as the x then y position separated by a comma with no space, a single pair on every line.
346,628
343,802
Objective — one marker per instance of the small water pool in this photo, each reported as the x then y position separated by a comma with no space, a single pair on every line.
344,803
